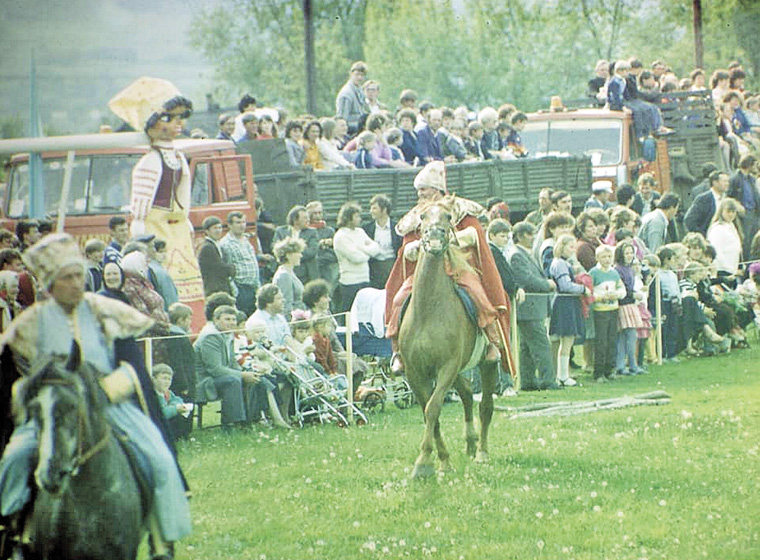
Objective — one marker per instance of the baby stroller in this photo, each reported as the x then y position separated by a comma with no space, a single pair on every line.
316,398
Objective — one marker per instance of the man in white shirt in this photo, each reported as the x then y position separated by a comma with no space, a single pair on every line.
381,229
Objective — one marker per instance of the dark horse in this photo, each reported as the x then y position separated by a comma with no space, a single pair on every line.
87,503
436,341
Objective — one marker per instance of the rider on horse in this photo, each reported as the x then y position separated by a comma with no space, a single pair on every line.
104,330
483,285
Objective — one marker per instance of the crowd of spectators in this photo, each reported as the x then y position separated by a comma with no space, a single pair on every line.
586,279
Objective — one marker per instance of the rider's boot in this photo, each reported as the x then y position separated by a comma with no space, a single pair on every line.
493,352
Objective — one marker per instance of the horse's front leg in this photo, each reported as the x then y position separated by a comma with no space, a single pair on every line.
422,390
423,466
464,390
488,374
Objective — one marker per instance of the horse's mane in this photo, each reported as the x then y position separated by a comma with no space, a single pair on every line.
55,370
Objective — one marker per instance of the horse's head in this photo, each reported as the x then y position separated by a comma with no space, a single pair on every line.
57,400
435,229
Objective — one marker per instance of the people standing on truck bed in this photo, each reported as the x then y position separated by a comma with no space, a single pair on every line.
351,103
217,275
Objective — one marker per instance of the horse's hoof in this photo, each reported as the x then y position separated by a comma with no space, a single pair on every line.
423,471
472,447
481,457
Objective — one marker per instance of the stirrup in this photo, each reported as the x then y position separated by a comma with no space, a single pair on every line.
397,365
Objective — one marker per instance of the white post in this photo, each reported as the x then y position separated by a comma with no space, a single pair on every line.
350,367
658,309
65,188
515,342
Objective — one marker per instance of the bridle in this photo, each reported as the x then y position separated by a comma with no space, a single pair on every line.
437,238
82,455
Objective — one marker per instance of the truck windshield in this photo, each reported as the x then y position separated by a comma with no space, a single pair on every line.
99,184
598,139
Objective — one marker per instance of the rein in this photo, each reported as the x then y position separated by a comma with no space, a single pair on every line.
82,456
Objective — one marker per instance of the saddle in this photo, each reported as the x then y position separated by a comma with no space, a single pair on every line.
469,305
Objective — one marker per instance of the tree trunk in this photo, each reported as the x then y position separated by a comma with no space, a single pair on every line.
698,46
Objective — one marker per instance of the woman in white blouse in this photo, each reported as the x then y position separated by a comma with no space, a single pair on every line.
353,248
726,236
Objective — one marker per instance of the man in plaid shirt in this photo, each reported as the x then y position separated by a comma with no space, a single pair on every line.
238,251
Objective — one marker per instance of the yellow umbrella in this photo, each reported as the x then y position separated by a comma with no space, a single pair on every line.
140,99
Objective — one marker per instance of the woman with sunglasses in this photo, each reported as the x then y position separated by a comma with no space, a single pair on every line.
160,200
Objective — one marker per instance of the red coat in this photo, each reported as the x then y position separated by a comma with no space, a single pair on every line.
485,288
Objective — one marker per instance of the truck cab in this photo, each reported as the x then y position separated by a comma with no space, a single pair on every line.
221,181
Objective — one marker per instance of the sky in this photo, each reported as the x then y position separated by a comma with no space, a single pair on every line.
86,51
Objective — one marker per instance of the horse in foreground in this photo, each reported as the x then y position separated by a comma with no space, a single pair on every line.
437,340
87,503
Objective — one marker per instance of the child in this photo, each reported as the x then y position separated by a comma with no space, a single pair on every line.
473,140
174,409
395,139
366,142
410,147
608,289
566,318
255,358
514,140
323,325
490,139
671,303
453,149
695,322
639,292
300,329
629,318
94,250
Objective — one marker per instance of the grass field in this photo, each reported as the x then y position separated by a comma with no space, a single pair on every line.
678,481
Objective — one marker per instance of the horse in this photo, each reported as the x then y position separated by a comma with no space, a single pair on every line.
88,503
436,341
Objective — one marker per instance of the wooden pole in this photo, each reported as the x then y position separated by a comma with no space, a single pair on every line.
311,73
698,45
515,341
350,367
658,309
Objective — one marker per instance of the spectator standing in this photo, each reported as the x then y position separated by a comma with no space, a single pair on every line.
725,235
28,233
250,127
608,289
113,283
246,105
237,251
179,351
293,137
327,262
288,253
566,319
407,119
707,169
537,217
94,250
119,237
629,318
159,275
353,248
427,138
371,93
9,307
351,104
226,127
702,210
535,349
600,195
298,228
743,187
138,289
646,199
654,226
670,303
217,275
381,229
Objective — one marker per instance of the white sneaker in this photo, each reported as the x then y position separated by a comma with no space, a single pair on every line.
569,382
509,392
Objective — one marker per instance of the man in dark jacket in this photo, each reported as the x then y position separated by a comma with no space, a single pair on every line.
743,188
535,350
703,208
215,272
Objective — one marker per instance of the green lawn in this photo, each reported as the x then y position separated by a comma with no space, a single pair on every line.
678,481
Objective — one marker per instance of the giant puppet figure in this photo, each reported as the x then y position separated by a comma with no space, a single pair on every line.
483,284
160,196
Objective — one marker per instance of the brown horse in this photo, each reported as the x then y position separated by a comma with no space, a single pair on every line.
436,341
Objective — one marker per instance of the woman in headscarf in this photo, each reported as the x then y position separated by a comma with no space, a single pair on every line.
138,289
113,283
105,332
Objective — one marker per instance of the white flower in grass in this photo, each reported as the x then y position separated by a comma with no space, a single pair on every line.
555,511
620,514
597,509
427,524
402,542
685,414
356,524
540,544
539,514
593,494
370,545
662,503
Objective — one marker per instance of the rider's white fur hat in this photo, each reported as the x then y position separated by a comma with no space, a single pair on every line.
51,254
433,175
